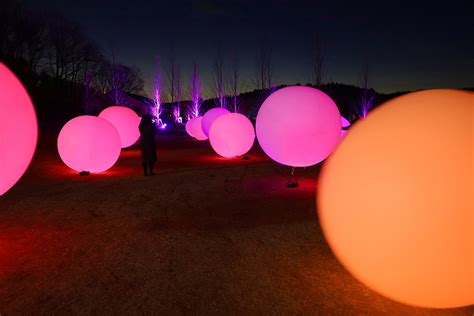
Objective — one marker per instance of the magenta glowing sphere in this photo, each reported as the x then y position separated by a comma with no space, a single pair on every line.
89,143
232,135
298,126
194,128
210,117
344,124
18,129
126,121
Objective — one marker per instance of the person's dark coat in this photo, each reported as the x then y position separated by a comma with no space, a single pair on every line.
147,137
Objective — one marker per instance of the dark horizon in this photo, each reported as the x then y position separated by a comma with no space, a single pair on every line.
405,48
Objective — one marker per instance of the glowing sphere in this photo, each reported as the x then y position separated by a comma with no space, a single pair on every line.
194,129
210,117
89,143
18,129
298,126
232,135
396,199
344,124
126,121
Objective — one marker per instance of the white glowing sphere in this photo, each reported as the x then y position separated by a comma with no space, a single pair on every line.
89,143
126,121
210,117
298,126
18,129
194,128
232,135
396,202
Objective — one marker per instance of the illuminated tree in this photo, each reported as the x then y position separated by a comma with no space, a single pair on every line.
218,78
234,82
174,85
367,95
196,100
156,89
318,61
264,73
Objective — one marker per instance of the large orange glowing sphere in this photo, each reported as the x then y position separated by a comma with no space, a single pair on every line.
232,135
126,121
298,126
395,200
18,129
194,128
89,143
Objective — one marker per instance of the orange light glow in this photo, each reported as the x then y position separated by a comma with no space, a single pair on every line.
395,200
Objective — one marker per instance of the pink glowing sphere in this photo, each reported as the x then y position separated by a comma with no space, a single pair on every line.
89,143
344,124
18,129
232,135
194,129
126,121
298,126
210,117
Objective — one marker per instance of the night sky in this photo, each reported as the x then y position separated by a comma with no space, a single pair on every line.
406,47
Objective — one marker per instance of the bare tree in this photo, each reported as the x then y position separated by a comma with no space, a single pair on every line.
264,74
367,95
318,61
218,77
195,90
234,82
156,91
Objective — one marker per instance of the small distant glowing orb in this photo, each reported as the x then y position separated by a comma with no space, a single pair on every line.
89,143
126,121
344,124
395,200
210,117
232,135
298,126
18,129
194,128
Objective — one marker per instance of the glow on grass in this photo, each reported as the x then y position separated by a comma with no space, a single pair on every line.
232,135
18,129
126,121
344,125
298,126
89,143
396,199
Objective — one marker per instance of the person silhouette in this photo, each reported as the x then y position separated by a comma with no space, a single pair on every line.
148,145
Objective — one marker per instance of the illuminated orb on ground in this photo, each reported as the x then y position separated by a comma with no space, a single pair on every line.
18,129
194,129
395,200
89,143
210,117
232,135
298,126
344,124
126,121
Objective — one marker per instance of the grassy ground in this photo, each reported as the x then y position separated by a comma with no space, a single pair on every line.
204,236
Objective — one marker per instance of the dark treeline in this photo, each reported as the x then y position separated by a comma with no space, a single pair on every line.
65,72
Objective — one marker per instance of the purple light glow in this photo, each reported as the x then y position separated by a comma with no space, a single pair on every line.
344,124
298,126
210,117
232,135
